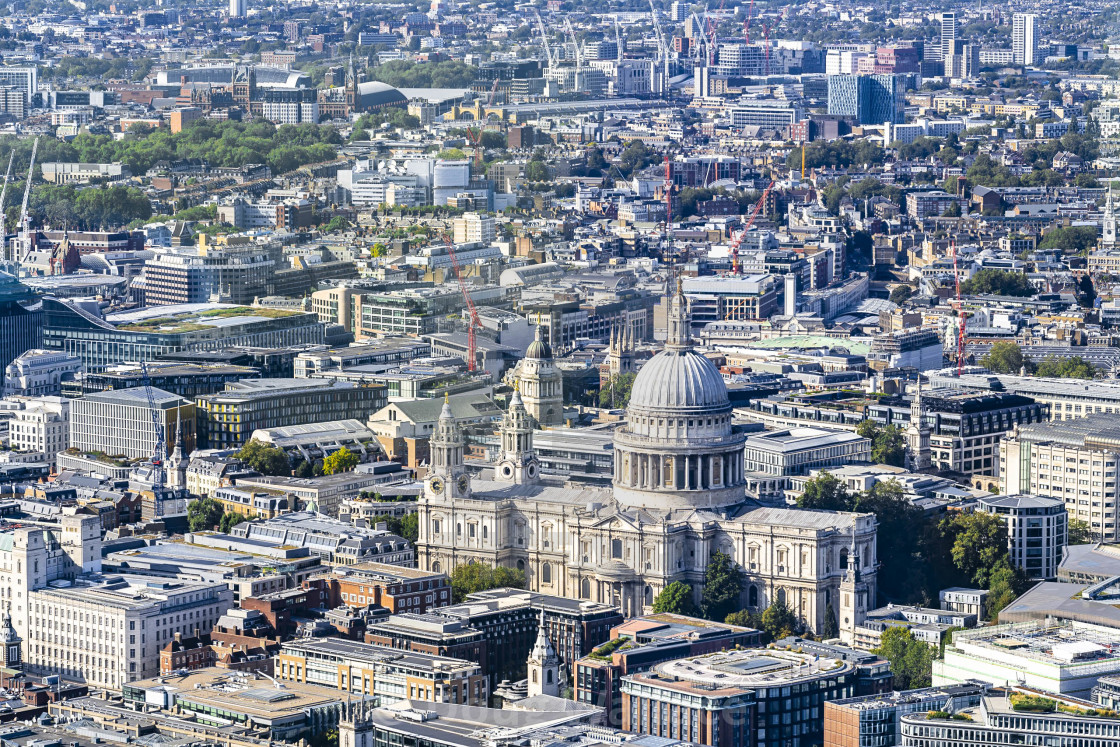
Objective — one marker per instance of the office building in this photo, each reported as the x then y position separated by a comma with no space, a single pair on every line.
157,331
42,426
194,275
1065,658
228,418
924,623
238,8
1036,531
1067,399
1009,717
120,422
640,643
1072,461
336,542
797,451
25,79
877,719
39,373
387,674
21,320
1024,39
397,588
188,380
869,99
746,698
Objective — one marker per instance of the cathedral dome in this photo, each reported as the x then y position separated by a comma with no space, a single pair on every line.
680,380
538,348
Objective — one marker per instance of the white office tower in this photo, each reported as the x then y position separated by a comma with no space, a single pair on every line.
238,8
1024,39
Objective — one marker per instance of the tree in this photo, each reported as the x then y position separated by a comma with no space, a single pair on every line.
778,621
537,171
998,282
470,578
953,211
676,598
342,460
831,629
745,619
1006,584
723,585
1071,241
888,443
979,544
911,660
204,514
1074,367
901,294
900,526
407,526
617,391
825,492
1005,358
264,458
230,520
1086,293
1078,532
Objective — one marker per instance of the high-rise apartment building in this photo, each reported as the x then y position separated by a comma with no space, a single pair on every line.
1024,39
238,8
474,228
948,35
869,99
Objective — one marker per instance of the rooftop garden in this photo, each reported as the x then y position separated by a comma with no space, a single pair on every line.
1032,703
604,652
945,715
116,460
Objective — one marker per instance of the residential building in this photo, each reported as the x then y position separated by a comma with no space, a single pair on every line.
25,79
1072,461
948,42
120,422
868,99
39,373
473,228
1036,531
229,418
933,203
1025,43
387,674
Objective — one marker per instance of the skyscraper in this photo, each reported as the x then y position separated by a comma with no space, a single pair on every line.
869,99
238,8
948,35
1024,39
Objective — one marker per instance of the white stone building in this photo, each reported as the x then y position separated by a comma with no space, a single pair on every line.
43,426
678,497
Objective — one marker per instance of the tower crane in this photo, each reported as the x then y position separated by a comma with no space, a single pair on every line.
473,322
24,219
159,453
544,40
735,242
662,47
961,316
4,191
747,23
575,45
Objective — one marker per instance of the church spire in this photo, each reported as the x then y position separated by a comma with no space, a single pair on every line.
518,462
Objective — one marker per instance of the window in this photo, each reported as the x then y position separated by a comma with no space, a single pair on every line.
616,549
546,573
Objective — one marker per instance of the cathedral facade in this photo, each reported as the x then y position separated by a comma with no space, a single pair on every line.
677,498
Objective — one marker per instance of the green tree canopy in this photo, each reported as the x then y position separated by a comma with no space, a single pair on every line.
204,514
979,543
1005,585
1071,240
723,585
778,621
999,283
615,393
826,492
1074,367
342,460
470,578
1005,358
901,294
911,660
264,458
676,598
888,443
407,526
1078,532
230,520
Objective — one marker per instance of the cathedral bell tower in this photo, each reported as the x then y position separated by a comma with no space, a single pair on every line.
448,477
543,665
12,643
518,463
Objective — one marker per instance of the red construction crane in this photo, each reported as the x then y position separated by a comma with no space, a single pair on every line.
735,242
473,321
961,317
766,34
493,92
712,26
747,23
476,140
668,209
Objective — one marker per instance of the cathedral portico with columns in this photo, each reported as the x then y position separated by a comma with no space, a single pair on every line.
677,497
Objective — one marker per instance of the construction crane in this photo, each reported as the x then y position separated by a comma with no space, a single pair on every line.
476,140
618,41
159,453
473,322
712,28
735,242
575,47
493,92
961,316
662,47
544,40
24,219
747,23
4,192
766,35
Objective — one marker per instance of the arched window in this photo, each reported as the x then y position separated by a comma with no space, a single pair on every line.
521,565
548,676
436,568
585,588
534,676
546,573
752,596
781,596
485,532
